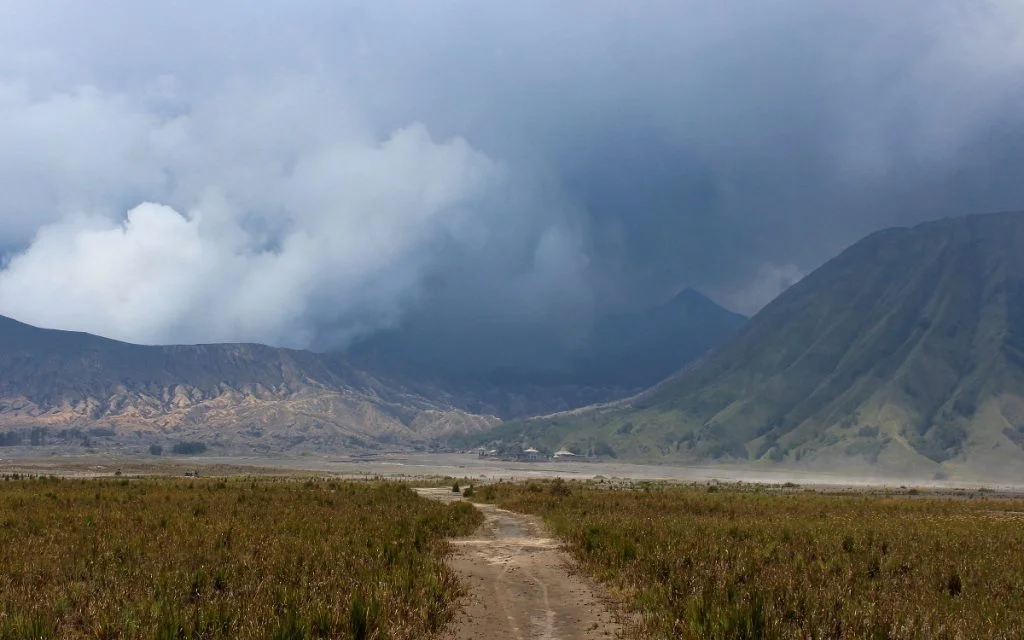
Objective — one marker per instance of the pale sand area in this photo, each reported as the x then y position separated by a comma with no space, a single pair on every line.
414,466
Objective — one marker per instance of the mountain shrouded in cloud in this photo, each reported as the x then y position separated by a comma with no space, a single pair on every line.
307,173
63,385
902,356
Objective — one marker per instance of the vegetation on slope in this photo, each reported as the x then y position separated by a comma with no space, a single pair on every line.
906,350
739,562
224,559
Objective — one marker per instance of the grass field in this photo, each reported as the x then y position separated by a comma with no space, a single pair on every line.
207,558
746,562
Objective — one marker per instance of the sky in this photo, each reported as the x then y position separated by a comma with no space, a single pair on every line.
307,173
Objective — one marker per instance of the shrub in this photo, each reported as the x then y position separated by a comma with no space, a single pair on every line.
868,432
156,450
560,488
188,448
954,584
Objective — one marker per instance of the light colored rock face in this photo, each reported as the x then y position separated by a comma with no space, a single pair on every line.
245,395
316,418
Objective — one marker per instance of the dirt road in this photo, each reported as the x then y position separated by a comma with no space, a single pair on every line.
522,587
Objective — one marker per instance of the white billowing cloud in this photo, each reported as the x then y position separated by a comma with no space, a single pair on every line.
293,196
73,151
277,212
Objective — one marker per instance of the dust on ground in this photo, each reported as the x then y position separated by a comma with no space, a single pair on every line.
521,582
417,466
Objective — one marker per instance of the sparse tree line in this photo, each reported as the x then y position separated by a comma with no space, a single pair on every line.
42,436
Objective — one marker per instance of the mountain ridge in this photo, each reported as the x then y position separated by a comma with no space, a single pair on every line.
618,356
906,351
233,393
253,397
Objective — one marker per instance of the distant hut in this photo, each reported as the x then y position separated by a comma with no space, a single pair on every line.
564,454
531,454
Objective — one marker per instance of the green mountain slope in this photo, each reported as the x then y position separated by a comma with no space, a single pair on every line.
906,352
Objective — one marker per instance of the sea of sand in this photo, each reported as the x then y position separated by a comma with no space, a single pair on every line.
422,466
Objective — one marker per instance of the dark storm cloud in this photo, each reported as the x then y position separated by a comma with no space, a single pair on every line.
315,170
705,141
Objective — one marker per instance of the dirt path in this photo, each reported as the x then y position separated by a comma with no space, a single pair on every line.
522,587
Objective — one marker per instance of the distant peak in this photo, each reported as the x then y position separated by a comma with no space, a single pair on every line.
691,299
691,294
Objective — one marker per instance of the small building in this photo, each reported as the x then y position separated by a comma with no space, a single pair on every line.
564,454
531,454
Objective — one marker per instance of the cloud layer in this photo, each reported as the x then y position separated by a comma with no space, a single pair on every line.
303,173
266,252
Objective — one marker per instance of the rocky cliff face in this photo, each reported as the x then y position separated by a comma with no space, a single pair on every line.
235,394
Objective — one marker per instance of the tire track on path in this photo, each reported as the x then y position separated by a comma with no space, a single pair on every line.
521,585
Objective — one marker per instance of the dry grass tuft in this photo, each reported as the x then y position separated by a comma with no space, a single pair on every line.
184,559
747,563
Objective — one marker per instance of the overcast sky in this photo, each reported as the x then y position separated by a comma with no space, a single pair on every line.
304,172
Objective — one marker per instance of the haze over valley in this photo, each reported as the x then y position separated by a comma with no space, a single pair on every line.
901,355
462,319
683,234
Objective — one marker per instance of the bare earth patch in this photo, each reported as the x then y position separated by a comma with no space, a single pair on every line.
522,585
